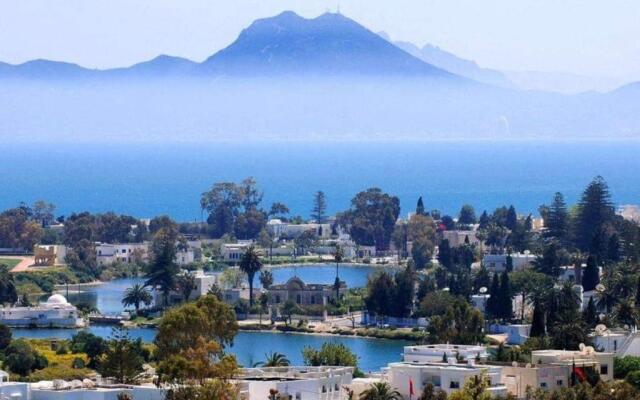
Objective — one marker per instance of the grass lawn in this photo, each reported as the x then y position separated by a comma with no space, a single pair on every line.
9,262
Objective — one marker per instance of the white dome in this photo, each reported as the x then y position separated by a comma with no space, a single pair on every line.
57,299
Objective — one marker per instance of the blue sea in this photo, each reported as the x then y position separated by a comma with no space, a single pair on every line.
145,180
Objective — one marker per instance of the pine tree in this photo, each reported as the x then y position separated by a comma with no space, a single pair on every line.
512,218
319,207
505,300
557,222
595,211
420,207
492,306
591,275
537,322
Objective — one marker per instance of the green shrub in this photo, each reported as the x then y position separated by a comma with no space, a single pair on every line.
622,366
77,363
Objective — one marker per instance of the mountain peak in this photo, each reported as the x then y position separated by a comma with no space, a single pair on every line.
328,44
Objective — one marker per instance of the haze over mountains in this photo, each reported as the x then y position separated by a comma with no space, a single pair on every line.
291,77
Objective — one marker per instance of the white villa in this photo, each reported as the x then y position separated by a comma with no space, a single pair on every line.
296,383
291,231
498,262
55,312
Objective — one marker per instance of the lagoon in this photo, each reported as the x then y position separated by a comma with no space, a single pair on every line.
250,347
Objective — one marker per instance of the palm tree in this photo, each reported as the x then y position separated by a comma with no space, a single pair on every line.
274,360
250,264
135,295
338,256
380,391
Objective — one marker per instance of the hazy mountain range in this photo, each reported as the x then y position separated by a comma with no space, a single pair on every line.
292,77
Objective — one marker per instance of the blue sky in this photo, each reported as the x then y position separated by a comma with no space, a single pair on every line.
589,37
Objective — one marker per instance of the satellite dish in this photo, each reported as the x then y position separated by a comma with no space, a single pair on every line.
445,289
581,346
483,290
600,287
528,365
514,364
601,328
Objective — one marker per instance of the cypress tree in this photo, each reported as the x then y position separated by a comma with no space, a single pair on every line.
537,322
509,266
420,207
445,256
638,293
505,301
613,248
512,218
494,297
590,314
591,276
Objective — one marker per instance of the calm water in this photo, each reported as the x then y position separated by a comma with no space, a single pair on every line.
250,347
107,297
147,180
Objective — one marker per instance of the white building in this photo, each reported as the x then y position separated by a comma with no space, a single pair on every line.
87,390
459,238
418,370
291,231
55,312
203,282
437,352
587,357
233,252
107,254
498,262
298,383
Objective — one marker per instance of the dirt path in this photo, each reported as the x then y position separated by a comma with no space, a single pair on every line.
23,265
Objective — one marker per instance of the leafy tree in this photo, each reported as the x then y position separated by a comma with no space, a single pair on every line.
551,259
136,295
289,308
250,223
421,232
319,210
372,218
591,275
22,359
266,240
429,392
8,293
448,223
484,220
467,215
380,391
530,285
305,241
18,230
274,359
404,292
331,354
93,346
420,207
250,264
122,360
622,366
186,284
278,210
5,337
399,238
266,278
380,293
81,257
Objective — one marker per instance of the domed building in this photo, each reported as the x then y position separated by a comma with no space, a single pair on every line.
56,312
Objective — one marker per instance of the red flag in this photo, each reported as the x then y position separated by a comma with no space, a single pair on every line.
411,392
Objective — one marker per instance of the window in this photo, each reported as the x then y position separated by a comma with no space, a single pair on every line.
615,345
124,251
277,299
543,384
313,299
604,369
559,382
324,389
454,385
298,299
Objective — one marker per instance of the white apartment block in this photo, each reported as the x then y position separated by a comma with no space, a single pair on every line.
295,383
